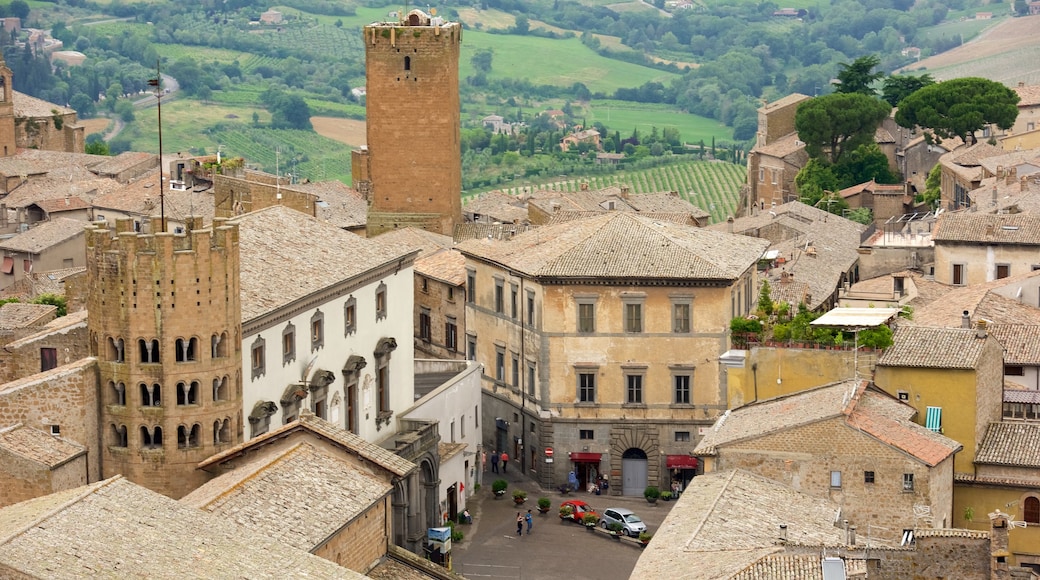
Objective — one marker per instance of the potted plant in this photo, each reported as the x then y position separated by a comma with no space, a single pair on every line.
666,495
615,530
499,487
544,504
644,537
590,521
566,512
519,496
651,493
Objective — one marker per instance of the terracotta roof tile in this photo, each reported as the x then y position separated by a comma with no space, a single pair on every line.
1021,342
480,231
69,203
125,529
1028,95
275,237
784,146
17,315
338,204
299,496
45,234
933,348
28,106
623,245
1016,229
38,446
1011,443
141,197
308,421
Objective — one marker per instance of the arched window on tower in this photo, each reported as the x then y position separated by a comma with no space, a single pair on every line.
118,391
188,437
1031,510
115,350
188,394
149,350
219,345
220,388
407,63
221,431
119,435
151,438
187,349
151,396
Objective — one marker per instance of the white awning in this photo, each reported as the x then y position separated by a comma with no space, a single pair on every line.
857,317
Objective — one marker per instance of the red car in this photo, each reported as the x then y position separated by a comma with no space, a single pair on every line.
578,510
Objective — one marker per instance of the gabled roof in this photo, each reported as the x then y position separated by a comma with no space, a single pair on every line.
17,315
297,484
142,197
862,408
973,155
622,245
1028,95
783,147
287,255
480,231
114,527
982,301
1021,342
28,106
497,205
312,424
437,256
67,203
1012,444
337,204
701,532
44,235
35,445
1010,229
934,348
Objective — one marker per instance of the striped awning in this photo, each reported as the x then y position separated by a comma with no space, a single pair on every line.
933,421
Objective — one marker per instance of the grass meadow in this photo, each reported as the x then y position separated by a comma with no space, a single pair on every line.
624,116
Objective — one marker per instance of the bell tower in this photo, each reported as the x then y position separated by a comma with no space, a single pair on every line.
7,138
165,324
411,169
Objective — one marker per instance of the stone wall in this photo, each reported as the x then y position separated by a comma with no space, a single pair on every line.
443,300
236,195
67,397
50,133
362,543
21,358
22,479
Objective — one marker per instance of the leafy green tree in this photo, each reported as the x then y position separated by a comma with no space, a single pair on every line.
53,300
861,215
839,122
125,110
1021,7
932,187
959,108
898,87
859,76
19,8
814,181
481,60
765,299
863,164
95,145
522,25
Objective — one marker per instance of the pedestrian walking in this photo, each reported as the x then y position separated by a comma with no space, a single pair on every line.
505,461
483,460
530,522
494,461
519,524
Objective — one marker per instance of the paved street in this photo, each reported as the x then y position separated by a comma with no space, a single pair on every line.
556,549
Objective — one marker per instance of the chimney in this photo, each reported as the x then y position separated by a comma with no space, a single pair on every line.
729,224
851,540
584,186
624,192
980,329
994,195
1023,184
783,533
998,546
965,320
673,193
1011,176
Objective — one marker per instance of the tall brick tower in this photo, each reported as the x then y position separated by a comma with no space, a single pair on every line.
165,325
7,137
411,170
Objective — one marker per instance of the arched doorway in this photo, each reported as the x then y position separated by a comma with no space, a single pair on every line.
430,505
633,471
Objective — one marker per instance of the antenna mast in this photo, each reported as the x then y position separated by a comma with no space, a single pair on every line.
157,83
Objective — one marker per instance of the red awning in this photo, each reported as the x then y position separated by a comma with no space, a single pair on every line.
579,457
680,462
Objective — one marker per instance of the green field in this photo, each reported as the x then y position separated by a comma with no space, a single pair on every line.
710,185
202,54
968,29
624,116
559,62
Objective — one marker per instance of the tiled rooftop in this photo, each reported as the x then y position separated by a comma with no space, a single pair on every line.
1021,342
18,315
437,257
68,203
480,231
38,446
337,204
27,106
497,206
299,496
141,197
782,147
287,255
726,521
44,234
864,410
123,161
59,325
1017,229
1028,95
1011,443
622,245
973,155
310,423
982,301
933,348
119,529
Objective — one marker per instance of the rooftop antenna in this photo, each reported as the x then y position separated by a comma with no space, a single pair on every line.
277,177
157,83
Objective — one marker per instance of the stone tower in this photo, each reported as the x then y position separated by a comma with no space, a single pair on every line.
165,324
411,170
7,136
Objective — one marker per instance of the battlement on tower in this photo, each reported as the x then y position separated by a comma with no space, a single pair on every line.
197,239
413,27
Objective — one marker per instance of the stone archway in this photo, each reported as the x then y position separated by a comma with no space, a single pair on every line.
429,483
636,447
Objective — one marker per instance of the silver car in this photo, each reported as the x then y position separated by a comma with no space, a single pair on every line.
631,525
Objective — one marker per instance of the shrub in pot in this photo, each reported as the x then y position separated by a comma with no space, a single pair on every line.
651,493
544,504
499,487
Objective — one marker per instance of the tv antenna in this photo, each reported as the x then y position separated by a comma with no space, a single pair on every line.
157,83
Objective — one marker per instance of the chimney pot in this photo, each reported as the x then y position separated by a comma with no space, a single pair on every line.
965,320
783,532
980,329
852,535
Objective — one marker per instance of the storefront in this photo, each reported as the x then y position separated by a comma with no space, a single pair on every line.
682,468
586,467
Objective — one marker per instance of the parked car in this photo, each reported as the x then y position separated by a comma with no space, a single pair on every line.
631,525
578,510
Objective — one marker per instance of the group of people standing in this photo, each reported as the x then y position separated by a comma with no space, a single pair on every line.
497,457
520,519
